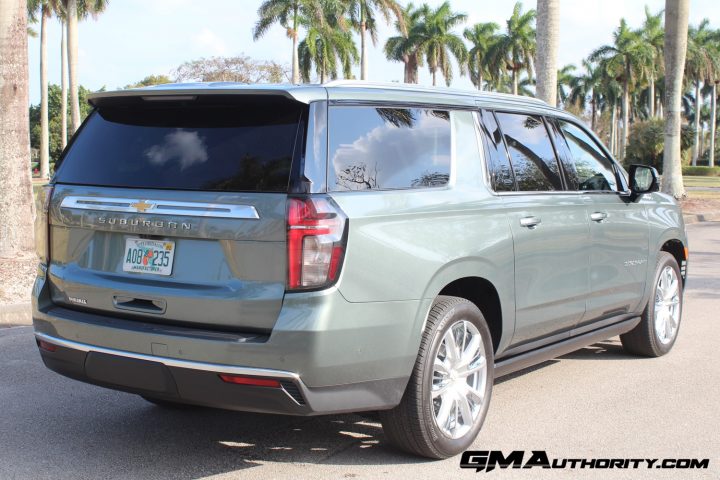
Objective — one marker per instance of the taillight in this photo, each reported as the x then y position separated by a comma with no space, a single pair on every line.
316,242
42,207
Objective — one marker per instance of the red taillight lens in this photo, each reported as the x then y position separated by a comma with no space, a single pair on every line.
316,243
252,381
42,207
48,347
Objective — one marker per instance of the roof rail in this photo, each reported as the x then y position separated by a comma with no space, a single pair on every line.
427,89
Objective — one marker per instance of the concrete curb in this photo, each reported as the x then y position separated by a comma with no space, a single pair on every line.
15,314
701,217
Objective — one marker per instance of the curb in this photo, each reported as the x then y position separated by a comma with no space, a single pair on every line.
15,314
701,217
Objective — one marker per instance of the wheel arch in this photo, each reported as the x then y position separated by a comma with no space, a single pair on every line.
489,287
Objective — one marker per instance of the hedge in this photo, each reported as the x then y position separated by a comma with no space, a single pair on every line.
701,171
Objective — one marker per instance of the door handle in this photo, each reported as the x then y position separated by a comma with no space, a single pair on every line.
530,222
598,216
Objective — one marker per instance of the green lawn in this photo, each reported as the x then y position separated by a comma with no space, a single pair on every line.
701,181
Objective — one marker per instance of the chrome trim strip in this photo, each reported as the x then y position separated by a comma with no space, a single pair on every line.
172,362
161,207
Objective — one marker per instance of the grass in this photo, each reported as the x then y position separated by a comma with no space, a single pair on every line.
701,181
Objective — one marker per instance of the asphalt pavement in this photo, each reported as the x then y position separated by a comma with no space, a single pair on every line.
594,403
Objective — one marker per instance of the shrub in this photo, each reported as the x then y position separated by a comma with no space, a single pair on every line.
701,171
646,143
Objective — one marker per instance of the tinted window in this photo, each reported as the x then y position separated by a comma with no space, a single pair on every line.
241,148
498,162
388,148
591,167
531,152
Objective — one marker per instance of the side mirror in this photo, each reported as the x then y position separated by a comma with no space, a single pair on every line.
643,179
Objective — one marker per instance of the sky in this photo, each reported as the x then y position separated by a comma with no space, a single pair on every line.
137,38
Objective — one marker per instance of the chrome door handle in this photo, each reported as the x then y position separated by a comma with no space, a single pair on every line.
530,222
598,216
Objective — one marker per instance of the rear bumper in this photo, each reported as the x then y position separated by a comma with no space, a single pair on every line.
328,355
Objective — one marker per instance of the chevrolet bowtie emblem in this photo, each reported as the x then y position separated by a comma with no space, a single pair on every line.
142,206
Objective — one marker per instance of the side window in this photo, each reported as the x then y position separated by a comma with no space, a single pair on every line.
531,152
498,163
593,169
388,148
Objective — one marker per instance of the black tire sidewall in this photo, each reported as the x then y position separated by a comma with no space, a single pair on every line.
461,311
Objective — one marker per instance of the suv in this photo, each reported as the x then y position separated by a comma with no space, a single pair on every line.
345,247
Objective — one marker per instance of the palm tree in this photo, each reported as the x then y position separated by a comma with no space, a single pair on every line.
327,46
585,87
514,50
363,18
405,47
565,78
675,49
439,43
701,65
289,14
653,34
76,10
481,36
624,59
548,39
16,206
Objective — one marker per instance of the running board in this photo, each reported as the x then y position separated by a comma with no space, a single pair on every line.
506,366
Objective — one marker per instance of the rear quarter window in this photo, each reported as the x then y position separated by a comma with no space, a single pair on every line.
240,147
388,148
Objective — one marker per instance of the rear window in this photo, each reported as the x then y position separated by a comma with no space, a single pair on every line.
238,147
388,148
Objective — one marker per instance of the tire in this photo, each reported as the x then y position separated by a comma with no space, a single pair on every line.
651,338
413,426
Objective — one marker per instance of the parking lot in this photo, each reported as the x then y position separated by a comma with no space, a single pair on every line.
594,403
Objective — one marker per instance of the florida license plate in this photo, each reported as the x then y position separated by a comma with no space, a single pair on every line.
148,256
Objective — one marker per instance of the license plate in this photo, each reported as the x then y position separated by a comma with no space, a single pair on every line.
148,256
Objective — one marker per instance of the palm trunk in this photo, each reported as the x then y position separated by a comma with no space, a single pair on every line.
44,129
363,50
660,110
72,41
16,205
63,85
434,77
675,49
515,81
593,113
480,73
613,131
713,126
548,27
698,106
625,115
652,96
295,56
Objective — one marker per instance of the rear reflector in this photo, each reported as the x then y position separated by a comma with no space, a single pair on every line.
253,381
48,347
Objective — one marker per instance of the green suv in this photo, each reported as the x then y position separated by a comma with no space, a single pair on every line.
346,247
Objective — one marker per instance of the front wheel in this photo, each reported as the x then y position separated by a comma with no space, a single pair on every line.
448,395
656,333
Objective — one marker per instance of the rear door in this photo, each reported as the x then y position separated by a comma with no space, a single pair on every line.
174,212
619,228
549,228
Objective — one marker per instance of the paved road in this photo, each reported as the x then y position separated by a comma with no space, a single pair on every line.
595,403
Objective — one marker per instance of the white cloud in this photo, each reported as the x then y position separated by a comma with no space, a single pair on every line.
208,43
186,148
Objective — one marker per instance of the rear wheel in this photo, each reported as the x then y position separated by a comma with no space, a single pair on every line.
447,398
655,335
